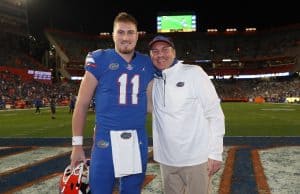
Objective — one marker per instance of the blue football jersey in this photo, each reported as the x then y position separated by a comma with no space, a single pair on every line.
121,100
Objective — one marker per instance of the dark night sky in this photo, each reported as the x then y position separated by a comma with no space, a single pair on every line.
94,16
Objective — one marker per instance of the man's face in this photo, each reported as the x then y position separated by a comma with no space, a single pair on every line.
162,55
125,37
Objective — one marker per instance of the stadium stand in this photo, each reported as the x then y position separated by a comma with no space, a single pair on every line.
270,51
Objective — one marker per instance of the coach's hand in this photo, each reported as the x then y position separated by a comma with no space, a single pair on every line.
213,166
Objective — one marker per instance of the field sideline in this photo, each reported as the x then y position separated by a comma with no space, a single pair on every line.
242,119
261,150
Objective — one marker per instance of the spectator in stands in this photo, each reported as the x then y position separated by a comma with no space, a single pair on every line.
188,122
119,80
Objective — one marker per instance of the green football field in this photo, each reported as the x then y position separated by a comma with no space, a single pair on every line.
242,119
176,22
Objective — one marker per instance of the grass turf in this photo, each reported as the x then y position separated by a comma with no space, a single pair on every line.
242,119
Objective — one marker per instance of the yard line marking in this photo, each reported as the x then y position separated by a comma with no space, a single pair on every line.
279,109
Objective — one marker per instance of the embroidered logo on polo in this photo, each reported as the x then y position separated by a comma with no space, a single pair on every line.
180,84
102,144
126,135
113,66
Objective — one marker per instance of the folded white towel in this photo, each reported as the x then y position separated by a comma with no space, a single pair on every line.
125,152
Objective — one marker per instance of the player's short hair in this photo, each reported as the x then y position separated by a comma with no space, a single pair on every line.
125,17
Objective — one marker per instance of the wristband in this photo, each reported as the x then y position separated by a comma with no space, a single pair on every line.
77,140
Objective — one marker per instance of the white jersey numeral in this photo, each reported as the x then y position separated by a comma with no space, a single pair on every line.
135,81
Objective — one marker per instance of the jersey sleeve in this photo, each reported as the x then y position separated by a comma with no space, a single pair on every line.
91,65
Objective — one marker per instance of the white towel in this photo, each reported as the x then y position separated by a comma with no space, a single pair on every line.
125,152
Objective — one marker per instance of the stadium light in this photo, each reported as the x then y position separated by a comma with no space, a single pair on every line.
226,60
212,30
250,29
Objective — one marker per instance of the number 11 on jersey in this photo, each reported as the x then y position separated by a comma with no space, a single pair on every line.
135,81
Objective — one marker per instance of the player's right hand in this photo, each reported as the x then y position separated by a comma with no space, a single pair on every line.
77,156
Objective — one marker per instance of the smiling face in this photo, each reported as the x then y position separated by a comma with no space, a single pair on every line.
162,55
125,37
